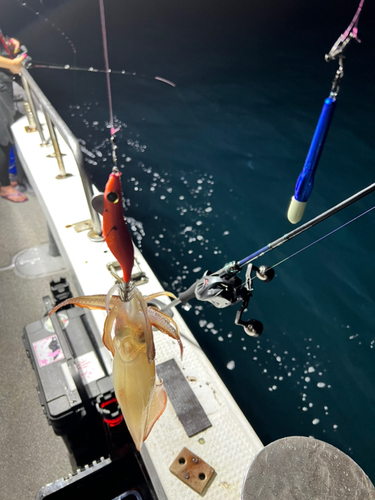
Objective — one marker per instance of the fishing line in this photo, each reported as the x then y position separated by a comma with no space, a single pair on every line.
53,25
106,62
322,238
344,38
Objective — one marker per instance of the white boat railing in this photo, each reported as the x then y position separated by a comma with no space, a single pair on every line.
54,121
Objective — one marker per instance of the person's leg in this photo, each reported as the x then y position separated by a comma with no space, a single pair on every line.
6,190
21,176
4,165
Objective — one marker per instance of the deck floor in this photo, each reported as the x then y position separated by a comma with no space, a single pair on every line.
31,455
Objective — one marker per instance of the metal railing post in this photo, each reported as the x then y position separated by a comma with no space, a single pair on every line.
30,99
56,148
74,146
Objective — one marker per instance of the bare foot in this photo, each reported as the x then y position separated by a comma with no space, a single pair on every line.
11,194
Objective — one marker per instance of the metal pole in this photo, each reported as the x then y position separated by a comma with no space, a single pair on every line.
56,148
33,109
53,249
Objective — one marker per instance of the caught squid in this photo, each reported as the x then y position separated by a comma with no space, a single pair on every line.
141,395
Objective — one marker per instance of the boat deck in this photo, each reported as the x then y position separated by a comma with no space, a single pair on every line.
31,454
35,455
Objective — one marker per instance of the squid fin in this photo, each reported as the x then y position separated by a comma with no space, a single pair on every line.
158,405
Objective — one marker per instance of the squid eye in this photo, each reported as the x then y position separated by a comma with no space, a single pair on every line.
112,197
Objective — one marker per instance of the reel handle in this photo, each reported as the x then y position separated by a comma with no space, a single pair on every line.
252,327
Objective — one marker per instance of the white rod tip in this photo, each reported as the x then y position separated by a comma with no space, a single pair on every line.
296,210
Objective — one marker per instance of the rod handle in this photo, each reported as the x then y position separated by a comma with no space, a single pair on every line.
305,181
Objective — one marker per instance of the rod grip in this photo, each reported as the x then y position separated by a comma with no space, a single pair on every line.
296,210
320,135
305,180
188,294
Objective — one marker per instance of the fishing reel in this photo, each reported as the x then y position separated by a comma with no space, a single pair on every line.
223,289
27,62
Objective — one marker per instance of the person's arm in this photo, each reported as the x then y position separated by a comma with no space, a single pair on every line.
13,65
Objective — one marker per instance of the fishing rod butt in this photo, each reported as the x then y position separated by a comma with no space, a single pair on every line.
296,210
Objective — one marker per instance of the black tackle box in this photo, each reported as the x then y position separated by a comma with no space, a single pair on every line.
75,386
75,389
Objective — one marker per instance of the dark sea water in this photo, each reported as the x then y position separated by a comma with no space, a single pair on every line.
208,171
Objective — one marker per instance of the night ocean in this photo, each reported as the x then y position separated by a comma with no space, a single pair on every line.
209,167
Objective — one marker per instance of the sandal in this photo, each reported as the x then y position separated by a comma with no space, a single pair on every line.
13,197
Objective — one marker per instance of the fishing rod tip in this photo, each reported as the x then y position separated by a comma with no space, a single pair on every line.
296,210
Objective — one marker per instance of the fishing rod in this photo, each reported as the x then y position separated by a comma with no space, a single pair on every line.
43,65
6,43
68,67
224,288
305,180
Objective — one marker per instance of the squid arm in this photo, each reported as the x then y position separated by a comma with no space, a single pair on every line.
165,324
159,294
153,316
149,338
97,302
107,331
